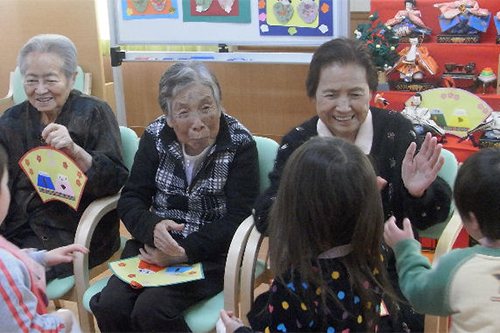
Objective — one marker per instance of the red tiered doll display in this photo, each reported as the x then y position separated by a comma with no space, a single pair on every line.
457,57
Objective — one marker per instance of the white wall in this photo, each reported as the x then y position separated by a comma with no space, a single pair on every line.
360,5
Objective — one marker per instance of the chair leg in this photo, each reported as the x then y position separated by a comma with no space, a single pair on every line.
58,304
86,320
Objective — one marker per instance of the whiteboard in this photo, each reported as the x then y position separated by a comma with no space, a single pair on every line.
177,31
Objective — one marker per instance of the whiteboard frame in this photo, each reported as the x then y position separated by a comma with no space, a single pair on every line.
153,31
341,8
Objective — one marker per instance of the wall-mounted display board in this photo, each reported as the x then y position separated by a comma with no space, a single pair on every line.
230,22
223,23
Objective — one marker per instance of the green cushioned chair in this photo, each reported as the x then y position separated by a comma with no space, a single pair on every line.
203,316
63,289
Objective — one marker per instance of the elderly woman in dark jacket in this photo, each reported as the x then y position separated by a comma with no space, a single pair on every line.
81,126
194,180
341,81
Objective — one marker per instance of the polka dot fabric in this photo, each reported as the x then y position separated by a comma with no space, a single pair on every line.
297,307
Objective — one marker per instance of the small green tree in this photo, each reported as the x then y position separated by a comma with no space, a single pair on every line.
381,41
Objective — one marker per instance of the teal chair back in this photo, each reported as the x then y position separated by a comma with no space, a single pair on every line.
448,173
18,94
130,143
267,149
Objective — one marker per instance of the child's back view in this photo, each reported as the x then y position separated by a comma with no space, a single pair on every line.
466,282
325,245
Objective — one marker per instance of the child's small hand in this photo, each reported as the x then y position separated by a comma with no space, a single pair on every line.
392,233
63,254
231,322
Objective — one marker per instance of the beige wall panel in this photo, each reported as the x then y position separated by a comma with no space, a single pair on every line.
76,19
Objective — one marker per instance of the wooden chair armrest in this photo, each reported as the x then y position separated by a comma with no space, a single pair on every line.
233,264
87,83
444,245
86,227
250,257
109,95
8,100
448,237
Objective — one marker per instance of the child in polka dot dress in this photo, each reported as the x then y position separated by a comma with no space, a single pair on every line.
325,245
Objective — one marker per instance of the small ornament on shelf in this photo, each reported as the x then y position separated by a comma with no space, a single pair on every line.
414,63
381,41
487,133
462,21
407,21
421,118
487,78
460,76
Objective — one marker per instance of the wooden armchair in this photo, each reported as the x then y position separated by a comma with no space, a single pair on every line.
435,324
202,316
64,288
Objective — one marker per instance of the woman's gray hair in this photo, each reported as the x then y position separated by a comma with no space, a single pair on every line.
183,74
50,43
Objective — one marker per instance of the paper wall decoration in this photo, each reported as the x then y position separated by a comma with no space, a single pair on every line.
216,11
54,175
295,18
140,274
149,9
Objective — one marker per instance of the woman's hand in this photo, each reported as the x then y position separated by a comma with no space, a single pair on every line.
63,254
392,233
231,322
152,255
164,241
420,170
57,136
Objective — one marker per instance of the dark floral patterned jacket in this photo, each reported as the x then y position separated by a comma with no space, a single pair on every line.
32,223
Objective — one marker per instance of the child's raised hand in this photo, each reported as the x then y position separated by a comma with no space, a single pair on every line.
392,233
63,254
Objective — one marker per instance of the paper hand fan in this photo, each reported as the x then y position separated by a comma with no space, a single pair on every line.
54,175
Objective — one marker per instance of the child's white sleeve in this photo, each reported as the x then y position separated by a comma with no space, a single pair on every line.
18,303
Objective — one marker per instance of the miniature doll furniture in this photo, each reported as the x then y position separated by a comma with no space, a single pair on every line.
255,271
16,94
200,317
64,288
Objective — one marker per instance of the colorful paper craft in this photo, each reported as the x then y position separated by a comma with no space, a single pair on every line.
295,18
54,175
455,110
140,274
216,11
147,9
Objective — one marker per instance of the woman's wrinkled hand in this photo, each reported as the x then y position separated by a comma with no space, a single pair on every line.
153,255
420,170
57,136
164,241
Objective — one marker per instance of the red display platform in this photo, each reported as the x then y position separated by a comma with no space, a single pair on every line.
483,54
